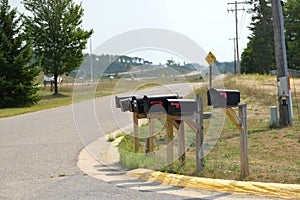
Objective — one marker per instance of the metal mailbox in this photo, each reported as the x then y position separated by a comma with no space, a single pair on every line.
154,103
180,106
220,98
125,104
119,98
137,105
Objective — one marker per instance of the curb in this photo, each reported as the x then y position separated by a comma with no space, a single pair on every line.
288,191
110,154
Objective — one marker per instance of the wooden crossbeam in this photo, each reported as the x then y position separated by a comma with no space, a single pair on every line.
234,118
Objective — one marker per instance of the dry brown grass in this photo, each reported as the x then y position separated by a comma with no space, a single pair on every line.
273,153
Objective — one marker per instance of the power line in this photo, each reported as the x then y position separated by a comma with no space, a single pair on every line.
236,9
243,19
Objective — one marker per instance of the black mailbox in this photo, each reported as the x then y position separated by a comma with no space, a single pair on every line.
154,103
180,106
119,98
137,105
125,104
220,98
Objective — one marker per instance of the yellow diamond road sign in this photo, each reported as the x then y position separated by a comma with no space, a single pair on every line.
210,58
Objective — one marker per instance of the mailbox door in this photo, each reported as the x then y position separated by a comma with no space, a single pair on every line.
125,105
119,98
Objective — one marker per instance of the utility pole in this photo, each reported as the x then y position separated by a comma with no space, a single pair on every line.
234,54
284,95
91,60
236,30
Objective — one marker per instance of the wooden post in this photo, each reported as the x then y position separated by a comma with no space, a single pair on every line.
181,144
234,118
210,76
243,141
136,131
283,110
169,128
150,138
199,135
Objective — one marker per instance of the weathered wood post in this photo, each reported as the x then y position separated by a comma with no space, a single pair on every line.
150,138
199,135
243,141
169,128
181,144
136,131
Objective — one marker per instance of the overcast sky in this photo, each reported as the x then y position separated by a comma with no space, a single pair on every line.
207,23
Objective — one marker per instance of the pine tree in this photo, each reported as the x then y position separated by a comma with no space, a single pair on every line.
292,27
17,71
57,35
259,56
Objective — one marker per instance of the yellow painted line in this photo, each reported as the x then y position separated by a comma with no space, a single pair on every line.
288,191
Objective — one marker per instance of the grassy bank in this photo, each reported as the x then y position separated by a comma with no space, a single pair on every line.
273,153
69,93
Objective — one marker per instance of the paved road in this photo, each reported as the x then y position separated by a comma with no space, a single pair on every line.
37,149
39,152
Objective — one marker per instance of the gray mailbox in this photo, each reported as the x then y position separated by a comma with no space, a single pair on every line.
180,106
125,104
221,98
119,98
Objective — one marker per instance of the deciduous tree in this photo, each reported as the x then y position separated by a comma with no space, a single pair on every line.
55,27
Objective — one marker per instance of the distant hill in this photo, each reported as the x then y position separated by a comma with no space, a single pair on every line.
114,65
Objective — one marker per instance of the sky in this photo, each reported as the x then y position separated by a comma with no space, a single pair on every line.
207,23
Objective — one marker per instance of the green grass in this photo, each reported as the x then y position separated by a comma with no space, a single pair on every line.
48,100
62,175
111,139
68,93
133,160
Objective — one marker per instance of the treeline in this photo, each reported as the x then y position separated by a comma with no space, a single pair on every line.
106,64
109,64
259,56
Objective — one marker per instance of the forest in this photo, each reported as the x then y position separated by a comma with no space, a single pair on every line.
259,55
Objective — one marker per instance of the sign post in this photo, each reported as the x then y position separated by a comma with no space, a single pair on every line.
210,59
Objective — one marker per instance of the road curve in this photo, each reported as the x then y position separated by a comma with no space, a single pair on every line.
39,153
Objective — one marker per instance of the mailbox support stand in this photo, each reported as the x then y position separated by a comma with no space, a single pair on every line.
241,123
181,143
170,136
136,131
199,135
150,138
176,121
244,141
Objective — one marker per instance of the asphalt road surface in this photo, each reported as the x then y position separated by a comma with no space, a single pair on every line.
39,153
